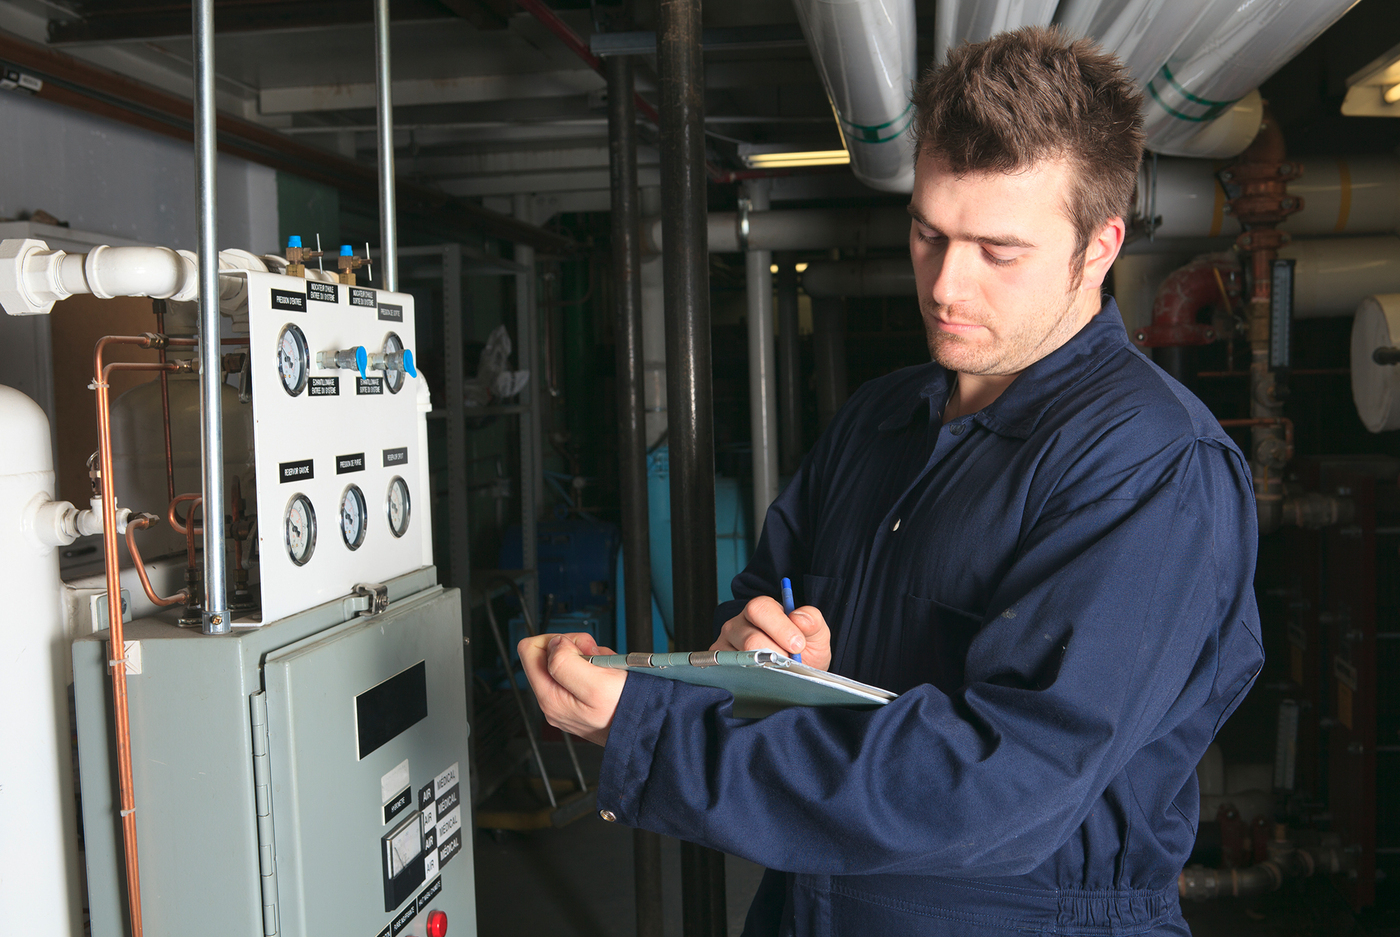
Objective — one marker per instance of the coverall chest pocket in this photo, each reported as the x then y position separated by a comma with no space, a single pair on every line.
933,643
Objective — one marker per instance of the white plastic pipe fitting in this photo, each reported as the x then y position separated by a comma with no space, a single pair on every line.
33,278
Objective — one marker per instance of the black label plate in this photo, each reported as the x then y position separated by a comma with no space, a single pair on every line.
324,387
355,462
369,386
322,292
359,296
301,470
393,457
390,313
287,301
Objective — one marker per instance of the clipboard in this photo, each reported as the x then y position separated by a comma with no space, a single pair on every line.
762,682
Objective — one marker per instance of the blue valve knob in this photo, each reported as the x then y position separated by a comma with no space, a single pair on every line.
361,359
408,364
347,251
294,240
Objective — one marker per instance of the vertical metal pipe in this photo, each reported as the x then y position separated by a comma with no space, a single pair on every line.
384,121
211,374
789,365
763,382
631,417
689,399
829,343
531,474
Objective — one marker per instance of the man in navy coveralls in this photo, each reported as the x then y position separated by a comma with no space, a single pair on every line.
1040,540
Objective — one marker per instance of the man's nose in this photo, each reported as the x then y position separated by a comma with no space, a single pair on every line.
956,281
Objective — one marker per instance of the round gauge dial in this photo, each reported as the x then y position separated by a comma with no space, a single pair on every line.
299,529
354,517
398,506
293,359
393,351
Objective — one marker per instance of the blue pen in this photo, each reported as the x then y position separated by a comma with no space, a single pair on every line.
789,606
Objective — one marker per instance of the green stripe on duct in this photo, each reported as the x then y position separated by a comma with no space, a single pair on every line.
1213,109
863,133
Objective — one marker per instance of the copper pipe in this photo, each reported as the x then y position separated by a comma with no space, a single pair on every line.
159,307
141,522
191,529
173,516
117,643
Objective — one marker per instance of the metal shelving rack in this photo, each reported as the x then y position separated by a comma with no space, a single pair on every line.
459,261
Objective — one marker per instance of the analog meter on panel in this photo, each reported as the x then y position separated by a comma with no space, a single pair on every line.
293,359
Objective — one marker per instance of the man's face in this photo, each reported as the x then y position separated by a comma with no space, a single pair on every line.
992,260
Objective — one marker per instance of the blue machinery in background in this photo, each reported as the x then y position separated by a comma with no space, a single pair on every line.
580,563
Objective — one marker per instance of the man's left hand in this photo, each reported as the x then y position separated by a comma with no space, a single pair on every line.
574,695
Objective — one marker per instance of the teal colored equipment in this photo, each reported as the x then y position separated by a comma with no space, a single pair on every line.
733,545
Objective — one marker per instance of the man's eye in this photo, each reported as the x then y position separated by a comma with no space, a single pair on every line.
999,261
932,238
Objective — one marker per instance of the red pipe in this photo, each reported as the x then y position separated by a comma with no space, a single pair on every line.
1181,296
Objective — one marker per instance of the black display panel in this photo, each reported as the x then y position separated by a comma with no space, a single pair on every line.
383,711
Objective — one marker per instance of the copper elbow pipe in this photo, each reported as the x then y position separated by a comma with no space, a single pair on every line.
141,522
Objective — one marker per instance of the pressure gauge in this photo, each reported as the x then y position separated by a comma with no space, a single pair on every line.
398,506
299,529
354,515
394,364
293,359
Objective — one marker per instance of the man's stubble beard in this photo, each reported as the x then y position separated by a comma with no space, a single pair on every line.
1012,355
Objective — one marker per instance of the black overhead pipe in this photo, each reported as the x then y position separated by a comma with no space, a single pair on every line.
689,401
789,365
631,418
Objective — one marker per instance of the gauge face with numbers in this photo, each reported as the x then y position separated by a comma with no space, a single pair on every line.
393,377
299,529
398,506
293,359
354,515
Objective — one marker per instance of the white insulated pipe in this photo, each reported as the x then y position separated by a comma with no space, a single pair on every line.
763,377
1331,276
864,51
33,278
1341,195
958,21
1230,51
40,889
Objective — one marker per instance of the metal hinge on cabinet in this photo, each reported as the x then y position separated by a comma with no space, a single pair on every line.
262,786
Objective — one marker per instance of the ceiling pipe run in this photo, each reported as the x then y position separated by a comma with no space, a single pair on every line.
864,51
796,230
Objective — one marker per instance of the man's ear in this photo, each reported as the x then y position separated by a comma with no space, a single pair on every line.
1102,252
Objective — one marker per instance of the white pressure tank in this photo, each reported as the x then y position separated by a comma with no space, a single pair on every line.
40,891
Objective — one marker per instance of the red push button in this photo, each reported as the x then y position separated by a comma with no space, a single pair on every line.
437,924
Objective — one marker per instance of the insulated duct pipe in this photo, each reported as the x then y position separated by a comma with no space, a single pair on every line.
763,382
384,124
211,376
794,230
1331,277
1231,50
865,52
959,21
1341,195
631,419
689,396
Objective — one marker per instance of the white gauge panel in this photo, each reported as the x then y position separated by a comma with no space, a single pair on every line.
350,446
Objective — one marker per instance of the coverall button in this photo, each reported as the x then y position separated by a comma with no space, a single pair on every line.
608,815
895,526
958,428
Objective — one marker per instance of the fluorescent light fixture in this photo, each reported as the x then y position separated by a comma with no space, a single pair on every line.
1374,91
802,158
801,268
1392,94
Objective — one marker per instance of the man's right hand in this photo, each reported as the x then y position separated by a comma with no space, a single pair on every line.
763,625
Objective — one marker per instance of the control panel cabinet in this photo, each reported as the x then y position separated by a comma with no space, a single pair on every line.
305,779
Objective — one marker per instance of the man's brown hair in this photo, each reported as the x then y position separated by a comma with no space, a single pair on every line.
1030,95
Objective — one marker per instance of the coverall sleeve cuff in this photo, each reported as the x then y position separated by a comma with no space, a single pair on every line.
627,756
